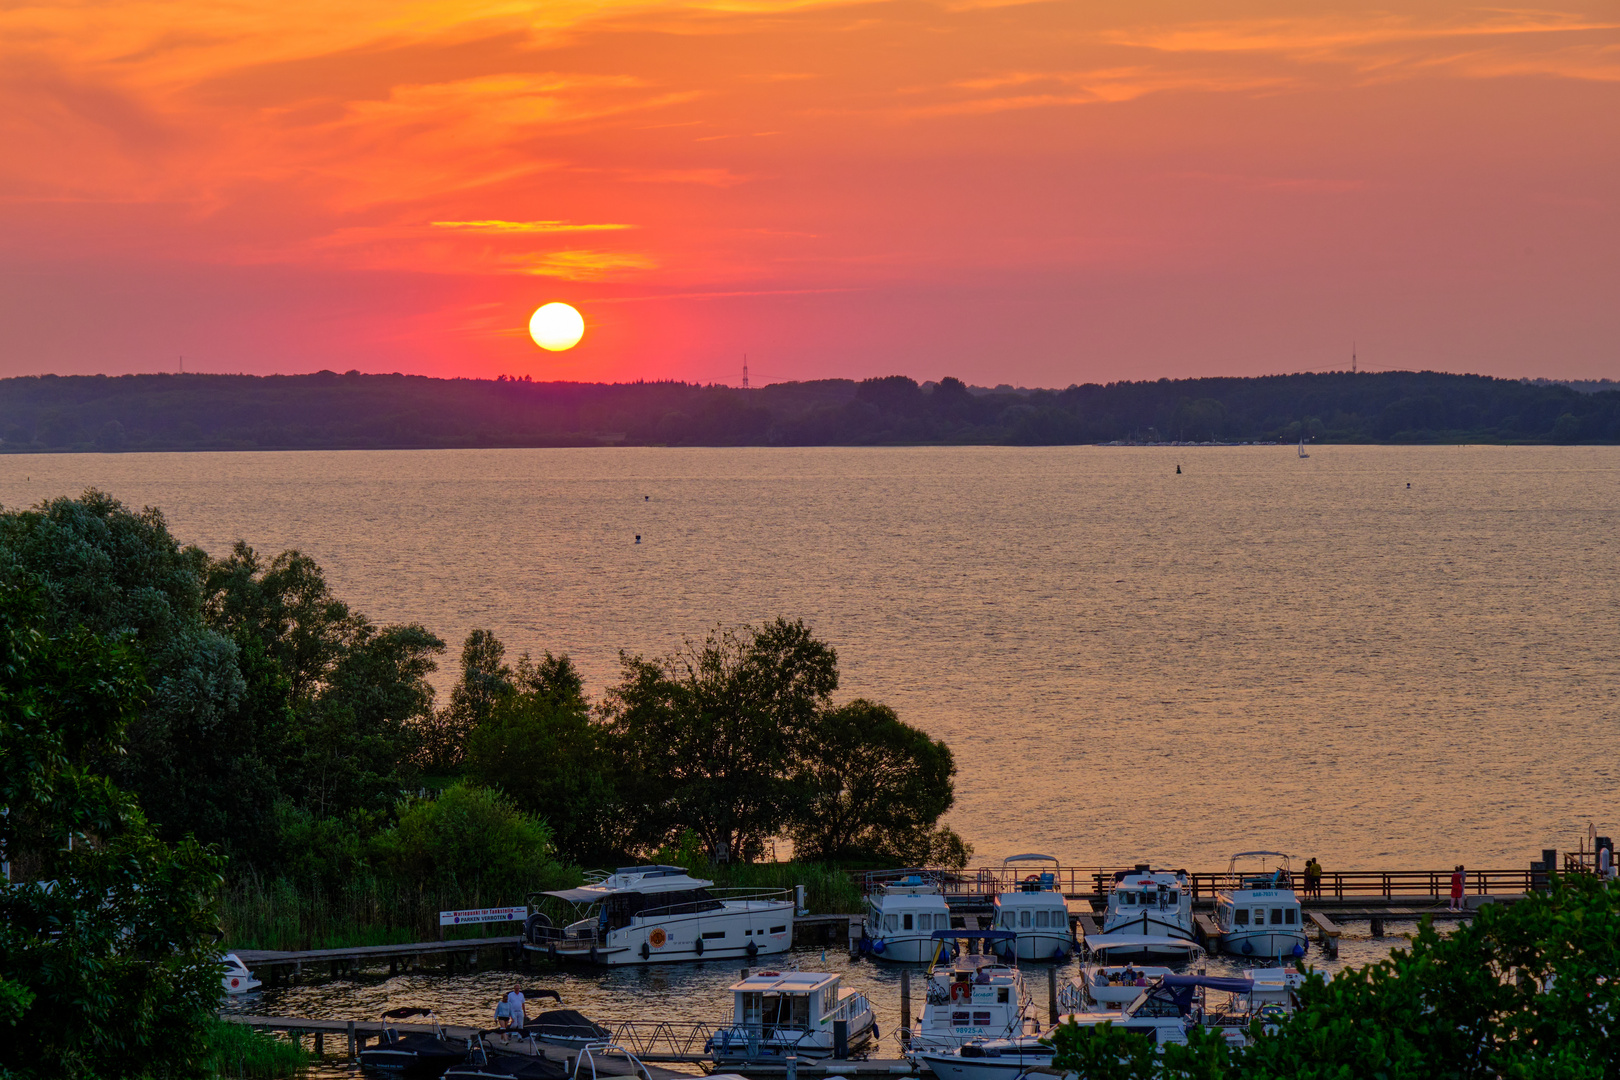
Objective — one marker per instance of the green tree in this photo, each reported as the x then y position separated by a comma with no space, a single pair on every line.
540,746
706,739
486,681
191,754
107,967
877,787
469,837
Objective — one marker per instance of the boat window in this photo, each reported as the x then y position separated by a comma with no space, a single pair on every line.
981,1018
1175,896
1290,916
1042,918
1007,920
890,922
960,1018
1001,995
907,924
1259,916
1277,916
778,929
1126,899
1240,917
1023,918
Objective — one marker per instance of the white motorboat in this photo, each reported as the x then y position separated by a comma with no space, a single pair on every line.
988,1059
901,919
235,977
1257,912
655,914
971,995
1171,1004
1147,903
1034,909
1104,983
777,1013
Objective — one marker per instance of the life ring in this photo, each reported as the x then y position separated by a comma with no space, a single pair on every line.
770,973
961,991
1033,877
657,937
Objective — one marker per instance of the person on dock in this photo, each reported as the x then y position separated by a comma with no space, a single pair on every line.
503,1015
514,1006
1313,877
1457,889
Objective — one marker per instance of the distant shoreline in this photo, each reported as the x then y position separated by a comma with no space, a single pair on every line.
328,411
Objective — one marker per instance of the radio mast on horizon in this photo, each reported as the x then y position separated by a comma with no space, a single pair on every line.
745,371
1352,358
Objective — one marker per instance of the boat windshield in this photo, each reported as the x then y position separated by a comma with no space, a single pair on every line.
773,1009
618,911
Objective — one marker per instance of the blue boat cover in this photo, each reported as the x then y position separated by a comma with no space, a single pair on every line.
1181,987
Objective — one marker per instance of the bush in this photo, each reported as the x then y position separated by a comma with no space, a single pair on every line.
238,1051
465,836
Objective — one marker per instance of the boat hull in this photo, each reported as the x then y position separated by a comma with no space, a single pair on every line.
1037,946
743,930
953,1066
736,1050
901,948
1268,943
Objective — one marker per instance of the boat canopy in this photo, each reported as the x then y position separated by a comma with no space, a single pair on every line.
1031,857
1181,988
1257,854
1104,942
578,896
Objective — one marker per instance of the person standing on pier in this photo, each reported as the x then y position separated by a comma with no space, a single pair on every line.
1457,889
1313,877
514,1006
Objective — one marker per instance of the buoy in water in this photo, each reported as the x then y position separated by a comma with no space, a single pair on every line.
638,538
646,498
1178,470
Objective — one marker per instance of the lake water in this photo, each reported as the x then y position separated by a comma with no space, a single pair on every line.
1384,657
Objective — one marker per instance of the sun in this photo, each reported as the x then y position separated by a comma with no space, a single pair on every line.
556,326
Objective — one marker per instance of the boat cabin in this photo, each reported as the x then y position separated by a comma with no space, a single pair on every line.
779,1011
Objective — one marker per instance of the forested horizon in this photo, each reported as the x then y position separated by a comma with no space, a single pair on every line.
329,411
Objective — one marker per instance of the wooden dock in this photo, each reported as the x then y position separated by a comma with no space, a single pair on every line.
272,966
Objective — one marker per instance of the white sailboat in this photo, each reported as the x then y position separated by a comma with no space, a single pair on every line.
1302,452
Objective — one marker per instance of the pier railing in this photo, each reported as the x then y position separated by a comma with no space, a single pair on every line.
1096,882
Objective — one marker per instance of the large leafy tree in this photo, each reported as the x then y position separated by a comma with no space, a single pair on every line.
540,745
191,751
485,683
875,788
706,739
107,967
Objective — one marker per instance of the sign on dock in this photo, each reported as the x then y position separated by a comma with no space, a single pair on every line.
483,915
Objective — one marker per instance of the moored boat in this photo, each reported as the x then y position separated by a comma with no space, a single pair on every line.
483,1064
777,1013
1172,1004
656,914
988,1059
1257,912
1034,909
1107,983
416,1055
235,978
1148,903
971,996
901,920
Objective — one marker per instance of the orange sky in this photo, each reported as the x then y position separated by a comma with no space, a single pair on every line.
1035,193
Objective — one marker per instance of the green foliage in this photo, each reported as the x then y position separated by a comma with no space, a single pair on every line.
238,1052
466,836
706,739
108,970
876,788
538,744
1524,990
325,410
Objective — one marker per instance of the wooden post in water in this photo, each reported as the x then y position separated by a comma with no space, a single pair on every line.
320,1043
905,1010
1051,994
840,1039
351,1040
1378,928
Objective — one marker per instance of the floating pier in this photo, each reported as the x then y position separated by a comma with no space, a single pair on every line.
273,966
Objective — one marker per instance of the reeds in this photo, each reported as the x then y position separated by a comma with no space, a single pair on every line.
241,1053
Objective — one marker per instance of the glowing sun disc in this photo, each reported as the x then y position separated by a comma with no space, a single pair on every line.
556,326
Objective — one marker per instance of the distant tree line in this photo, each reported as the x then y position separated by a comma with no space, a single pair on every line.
331,411
276,725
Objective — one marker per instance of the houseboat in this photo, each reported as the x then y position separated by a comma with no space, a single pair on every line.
1256,912
777,1013
1034,909
1148,903
971,996
901,920
656,914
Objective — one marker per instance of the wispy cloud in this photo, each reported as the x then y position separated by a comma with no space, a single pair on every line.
583,265
508,228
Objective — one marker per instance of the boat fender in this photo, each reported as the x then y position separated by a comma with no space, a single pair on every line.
594,958
1248,948
551,951
877,1036
697,946
1059,953
646,950
1299,950
878,946
753,949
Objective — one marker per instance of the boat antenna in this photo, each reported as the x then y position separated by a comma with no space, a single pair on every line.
745,371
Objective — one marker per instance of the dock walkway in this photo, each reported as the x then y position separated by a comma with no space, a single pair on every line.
271,965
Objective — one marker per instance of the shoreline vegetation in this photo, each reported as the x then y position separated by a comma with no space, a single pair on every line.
329,411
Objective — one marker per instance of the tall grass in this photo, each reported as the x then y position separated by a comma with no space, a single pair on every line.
278,913
828,890
240,1052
